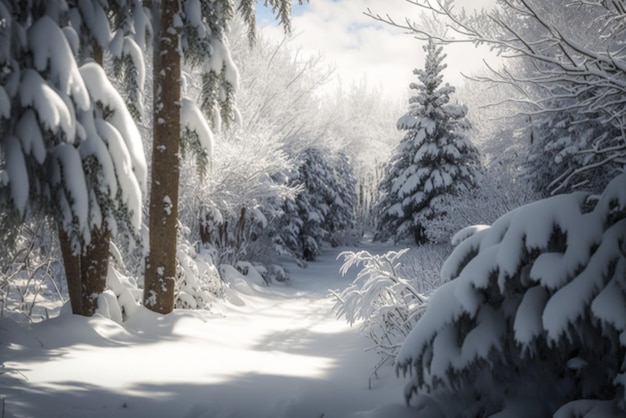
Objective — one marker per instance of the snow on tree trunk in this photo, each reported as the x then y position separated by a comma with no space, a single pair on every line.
160,270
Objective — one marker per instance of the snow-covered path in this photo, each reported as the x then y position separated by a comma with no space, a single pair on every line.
275,352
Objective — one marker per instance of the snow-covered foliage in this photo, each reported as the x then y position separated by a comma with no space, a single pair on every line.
324,208
70,144
31,274
434,161
121,29
387,303
198,282
500,190
282,92
279,92
243,191
531,319
206,46
562,158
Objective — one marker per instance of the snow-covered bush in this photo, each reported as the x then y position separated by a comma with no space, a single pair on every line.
388,304
531,319
421,265
230,208
197,279
564,154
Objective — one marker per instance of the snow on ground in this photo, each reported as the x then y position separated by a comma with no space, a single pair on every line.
272,352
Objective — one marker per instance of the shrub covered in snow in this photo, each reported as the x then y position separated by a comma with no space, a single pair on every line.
388,304
31,273
532,318
197,279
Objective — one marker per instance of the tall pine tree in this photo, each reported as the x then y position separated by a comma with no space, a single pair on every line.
192,32
434,160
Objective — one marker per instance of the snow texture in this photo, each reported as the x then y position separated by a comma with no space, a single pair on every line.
193,119
281,353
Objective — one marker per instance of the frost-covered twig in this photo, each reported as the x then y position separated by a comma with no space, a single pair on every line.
388,304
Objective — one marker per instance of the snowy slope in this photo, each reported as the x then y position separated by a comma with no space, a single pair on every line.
269,352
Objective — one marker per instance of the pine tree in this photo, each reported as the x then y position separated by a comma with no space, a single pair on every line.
71,149
434,160
322,210
193,32
532,316
563,156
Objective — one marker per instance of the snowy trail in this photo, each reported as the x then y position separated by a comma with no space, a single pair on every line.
276,352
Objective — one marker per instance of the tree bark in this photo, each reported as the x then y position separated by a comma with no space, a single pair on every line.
94,266
160,269
71,263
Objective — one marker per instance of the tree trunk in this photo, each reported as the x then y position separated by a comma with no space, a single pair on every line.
71,263
160,269
93,261
94,266
420,235
205,232
239,230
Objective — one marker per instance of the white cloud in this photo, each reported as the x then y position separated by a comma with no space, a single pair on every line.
358,46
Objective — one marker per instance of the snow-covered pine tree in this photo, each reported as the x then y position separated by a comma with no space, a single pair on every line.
563,156
531,321
342,215
324,207
434,160
71,148
193,31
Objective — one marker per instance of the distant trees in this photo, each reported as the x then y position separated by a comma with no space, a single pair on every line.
322,210
434,161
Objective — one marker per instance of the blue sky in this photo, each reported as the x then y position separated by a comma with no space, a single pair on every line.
359,47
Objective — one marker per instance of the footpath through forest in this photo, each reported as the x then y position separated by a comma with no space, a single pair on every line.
272,352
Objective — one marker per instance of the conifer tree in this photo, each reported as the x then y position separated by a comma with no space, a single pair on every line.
70,148
530,321
194,32
434,160
322,210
